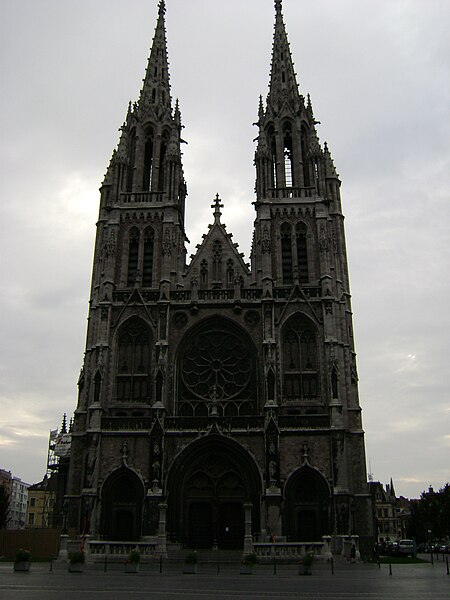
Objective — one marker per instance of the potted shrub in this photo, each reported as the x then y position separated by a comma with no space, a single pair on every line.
190,563
247,564
76,562
132,564
306,564
22,560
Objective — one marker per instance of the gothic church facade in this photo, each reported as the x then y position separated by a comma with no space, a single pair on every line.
218,404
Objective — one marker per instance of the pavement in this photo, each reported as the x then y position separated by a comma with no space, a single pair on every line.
422,581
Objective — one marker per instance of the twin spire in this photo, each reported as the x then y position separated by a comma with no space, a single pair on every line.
156,86
283,82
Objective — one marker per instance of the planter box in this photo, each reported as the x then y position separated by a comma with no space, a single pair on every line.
76,567
131,567
305,570
189,569
246,570
22,565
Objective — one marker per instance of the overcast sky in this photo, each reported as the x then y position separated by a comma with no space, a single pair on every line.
378,75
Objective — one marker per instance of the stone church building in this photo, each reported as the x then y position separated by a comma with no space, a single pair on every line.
218,403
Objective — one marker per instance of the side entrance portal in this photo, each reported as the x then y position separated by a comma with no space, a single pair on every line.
208,486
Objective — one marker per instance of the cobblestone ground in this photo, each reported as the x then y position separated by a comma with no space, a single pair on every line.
349,582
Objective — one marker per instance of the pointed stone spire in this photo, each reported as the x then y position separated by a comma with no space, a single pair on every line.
283,82
262,150
330,169
315,150
156,88
64,424
392,488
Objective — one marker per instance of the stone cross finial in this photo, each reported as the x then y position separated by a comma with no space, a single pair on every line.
217,206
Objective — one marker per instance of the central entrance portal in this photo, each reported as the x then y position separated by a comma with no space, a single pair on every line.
208,487
215,495
210,524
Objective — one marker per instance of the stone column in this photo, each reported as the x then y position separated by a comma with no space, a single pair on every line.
162,546
355,540
326,551
63,554
248,540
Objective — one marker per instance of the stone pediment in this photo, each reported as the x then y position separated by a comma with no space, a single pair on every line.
217,261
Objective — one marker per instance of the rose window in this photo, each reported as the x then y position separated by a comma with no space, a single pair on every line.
216,365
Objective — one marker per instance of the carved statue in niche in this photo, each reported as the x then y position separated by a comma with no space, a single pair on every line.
166,245
156,472
265,241
342,518
91,461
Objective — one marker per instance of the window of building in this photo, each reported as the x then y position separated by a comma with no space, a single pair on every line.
305,161
273,155
286,253
217,261
31,519
131,161
148,158
203,274
133,256
133,364
147,269
300,361
162,158
302,252
287,153
230,273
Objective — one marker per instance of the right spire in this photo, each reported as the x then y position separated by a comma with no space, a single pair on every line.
290,161
283,82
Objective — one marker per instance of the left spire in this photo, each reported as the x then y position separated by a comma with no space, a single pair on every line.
156,87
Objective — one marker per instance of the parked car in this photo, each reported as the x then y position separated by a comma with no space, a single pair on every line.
407,548
392,549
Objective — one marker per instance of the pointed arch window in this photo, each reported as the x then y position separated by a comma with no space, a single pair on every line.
286,252
304,148
217,261
230,273
147,267
133,362
334,383
162,161
300,360
302,252
133,256
131,161
204,274
273,156
287,153
148,158
97,387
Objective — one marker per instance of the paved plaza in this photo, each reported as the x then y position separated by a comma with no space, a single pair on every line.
349,582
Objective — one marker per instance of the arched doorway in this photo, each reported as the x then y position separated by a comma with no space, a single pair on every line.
122,502
208,485
307,502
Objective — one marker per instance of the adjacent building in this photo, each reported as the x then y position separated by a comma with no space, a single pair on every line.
41,500
18,503
218,401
